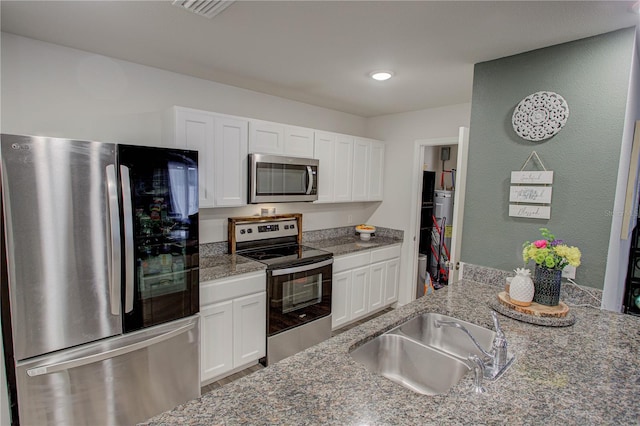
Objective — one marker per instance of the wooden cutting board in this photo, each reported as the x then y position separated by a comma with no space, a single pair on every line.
536,309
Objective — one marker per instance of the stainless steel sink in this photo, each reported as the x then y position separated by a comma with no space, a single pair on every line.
446,339
411,364
422,357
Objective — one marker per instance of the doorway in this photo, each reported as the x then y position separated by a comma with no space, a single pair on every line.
423,151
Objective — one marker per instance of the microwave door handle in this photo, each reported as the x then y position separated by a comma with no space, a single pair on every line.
310,180
114,229
127,211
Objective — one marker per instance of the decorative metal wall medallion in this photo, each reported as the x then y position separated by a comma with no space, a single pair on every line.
540,116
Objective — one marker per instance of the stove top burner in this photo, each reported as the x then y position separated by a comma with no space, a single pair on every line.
285,255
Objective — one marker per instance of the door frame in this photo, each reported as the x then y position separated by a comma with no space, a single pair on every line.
462,141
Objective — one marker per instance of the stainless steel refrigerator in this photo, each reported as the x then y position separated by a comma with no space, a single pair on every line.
100,324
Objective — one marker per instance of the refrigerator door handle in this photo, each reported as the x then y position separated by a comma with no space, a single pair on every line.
114,221
91,359
127,211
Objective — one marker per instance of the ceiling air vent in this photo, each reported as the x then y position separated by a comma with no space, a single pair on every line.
206,8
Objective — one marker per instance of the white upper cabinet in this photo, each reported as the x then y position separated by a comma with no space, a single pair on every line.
324,151
361,149
298,142
279,139
222,145
230,159
195,130
376,171
343,168
266,137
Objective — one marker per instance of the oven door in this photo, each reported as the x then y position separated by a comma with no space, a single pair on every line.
280,179
298,295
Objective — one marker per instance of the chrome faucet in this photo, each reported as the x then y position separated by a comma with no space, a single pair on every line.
497,359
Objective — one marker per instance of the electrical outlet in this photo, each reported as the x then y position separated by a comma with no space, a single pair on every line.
350,219
569,272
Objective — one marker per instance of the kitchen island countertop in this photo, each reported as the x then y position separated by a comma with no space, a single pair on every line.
587,373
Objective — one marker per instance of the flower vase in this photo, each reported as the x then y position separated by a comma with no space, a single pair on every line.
547,286
521,289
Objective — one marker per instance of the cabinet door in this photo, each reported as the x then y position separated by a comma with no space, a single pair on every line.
231,151
340,299
195,130
249,328
298,142
376,171
265,137
360,187
324,151
391,281
377,286
359,290
343,171
216,340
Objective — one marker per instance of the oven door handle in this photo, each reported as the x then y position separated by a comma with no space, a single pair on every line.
304,268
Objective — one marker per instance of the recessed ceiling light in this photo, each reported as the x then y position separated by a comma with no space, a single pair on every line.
381,75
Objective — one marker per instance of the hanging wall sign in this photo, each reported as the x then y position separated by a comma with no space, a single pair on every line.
530,191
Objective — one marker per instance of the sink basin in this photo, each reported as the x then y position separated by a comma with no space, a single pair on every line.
411,364
447,339
422,357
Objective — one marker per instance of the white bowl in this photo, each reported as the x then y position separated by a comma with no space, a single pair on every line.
365,236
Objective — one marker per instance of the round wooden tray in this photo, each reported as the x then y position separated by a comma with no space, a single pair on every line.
550,316
559,311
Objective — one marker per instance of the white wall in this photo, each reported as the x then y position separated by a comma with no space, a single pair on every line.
400,131
51,90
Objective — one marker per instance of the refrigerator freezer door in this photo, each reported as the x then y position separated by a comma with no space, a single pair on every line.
123,380
59,242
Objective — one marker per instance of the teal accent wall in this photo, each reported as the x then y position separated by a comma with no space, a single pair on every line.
593,76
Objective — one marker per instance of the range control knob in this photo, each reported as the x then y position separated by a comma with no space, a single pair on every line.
242,231
249,230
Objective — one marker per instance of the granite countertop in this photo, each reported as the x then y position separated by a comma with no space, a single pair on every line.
216,263
351,244
224,265
587,373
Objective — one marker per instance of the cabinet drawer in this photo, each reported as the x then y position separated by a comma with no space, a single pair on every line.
343,263
386,253
230,288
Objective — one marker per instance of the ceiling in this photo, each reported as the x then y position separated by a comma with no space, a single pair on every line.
321,52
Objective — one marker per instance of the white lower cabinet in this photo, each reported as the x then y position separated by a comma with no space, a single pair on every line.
363,283
233,320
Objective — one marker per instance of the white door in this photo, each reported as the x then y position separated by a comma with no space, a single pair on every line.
376,171
377,286
216,340
231,153
249,328
195,130
360,187
340,299
266,137
359,287
298,142
343,172
391,281
324,151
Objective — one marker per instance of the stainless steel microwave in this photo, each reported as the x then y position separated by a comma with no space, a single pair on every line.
278,179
